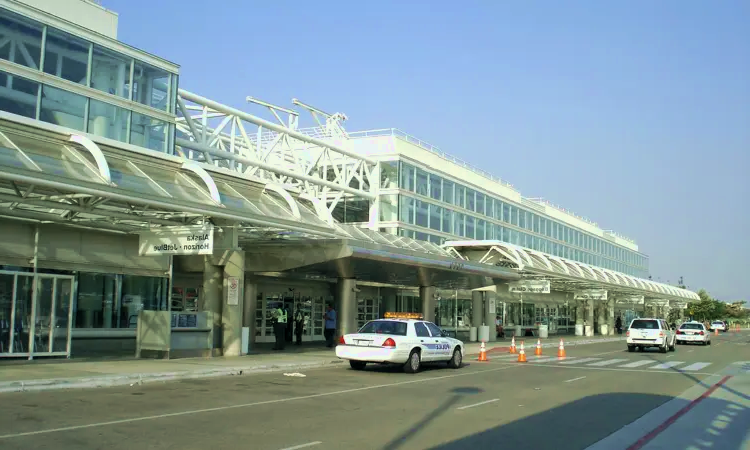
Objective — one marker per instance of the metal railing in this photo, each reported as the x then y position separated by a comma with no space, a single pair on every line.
547,203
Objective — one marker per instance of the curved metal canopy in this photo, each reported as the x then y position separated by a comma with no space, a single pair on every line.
537,263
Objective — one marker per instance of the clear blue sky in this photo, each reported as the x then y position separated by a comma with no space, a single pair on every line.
634,114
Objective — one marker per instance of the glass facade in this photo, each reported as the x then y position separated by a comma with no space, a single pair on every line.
430,203
62,55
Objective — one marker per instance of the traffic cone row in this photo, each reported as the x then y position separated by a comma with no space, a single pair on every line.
482,352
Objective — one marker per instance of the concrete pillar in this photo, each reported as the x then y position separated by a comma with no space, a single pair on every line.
590,316
490,314
390,297
346,298
611,315
249,308
601,317
427,295
477,309
233,307
580,310
212,301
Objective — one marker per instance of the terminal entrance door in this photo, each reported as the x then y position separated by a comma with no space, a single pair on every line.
35,322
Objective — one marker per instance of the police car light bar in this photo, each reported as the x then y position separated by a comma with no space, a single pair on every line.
403,315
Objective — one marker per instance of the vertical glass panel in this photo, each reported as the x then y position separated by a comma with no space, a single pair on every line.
506,213
489,232
63,108
470,200
151,86
498,210
481,230
408,209
18,95
59,327
388,208
436,187
448,187
21,39
436,217
43,320
489,209
514,215
459,223
537,223
422,214
407,177
480,207
66,56
107,120
460,198
389,174
423,185
421,236
447,220
142,293
97,305
506,234
148,132
522,218
470,227
6,311
110,72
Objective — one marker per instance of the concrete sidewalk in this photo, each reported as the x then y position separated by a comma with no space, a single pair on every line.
38,375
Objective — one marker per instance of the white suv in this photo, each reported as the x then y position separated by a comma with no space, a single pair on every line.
644,333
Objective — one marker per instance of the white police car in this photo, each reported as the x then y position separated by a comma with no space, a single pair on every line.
402,339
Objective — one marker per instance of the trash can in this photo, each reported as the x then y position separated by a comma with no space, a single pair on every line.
484,333
543,331
473,334
519,331
604,329
589,330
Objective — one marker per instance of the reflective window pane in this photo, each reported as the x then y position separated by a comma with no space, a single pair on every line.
460,198
407,177
480,233
108,121
448,220
18,95
151,86
436,217
148,132
388,208
20,39
407,209
448,191
470,227
522,218
66,56
389,174
471,204
422,214
147,293
63,108
110,72
459,220
97,305
422,183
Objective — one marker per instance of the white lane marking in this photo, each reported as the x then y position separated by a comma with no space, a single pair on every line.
696,366
479,404
309,444
667,365
640,363
574,379
582,360
607,362
615,369
250,405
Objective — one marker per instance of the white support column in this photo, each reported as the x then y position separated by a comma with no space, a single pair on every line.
212,301
427,295
611,315
477,310
589,317
580,312
346,297
491,313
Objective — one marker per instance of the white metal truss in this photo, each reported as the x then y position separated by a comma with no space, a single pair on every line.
565,273
315,161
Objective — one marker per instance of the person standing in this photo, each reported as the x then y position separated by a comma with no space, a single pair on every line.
330,325
299,325
279,328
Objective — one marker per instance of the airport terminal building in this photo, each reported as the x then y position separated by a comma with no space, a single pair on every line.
139,216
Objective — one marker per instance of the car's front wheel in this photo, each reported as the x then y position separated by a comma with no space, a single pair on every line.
457,359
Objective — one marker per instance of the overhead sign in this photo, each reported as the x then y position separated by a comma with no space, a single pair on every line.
198,240
591,294
631,299
492,308
529,287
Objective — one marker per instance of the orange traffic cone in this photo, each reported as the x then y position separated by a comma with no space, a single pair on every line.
522,354
538,351
561,350
513,344
716,331
482,352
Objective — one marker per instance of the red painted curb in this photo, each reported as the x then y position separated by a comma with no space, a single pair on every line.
669,422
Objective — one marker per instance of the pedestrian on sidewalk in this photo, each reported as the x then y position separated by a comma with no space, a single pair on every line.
330,325
618,325
299,325
279,327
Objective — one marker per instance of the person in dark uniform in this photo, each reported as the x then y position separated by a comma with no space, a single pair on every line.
299,325
279,327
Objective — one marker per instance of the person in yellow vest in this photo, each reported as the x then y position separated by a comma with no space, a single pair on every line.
279,327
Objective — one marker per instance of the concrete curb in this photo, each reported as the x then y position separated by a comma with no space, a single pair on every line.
142,378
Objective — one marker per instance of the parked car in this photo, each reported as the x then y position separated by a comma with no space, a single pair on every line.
648,332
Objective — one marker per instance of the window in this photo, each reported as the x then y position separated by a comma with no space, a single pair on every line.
422,217
459,221
19,95
460,196
470,200
147,293
480,207
97,303
151,86
499,207
63,108
108,120
407,177
470,227
448,220
391,327
421,329
448,191
506,213
436,215
148,132
434,330
407,209
389,174
110,72
66,56
388,208
423,183
481,225
436,187
522,219
21,38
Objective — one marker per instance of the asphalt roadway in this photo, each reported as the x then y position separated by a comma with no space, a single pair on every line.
489,405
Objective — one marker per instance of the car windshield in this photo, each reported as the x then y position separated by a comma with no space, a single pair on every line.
691,326
384,327
645,325
718,323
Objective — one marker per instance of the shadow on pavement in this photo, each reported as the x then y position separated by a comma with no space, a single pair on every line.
582,423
